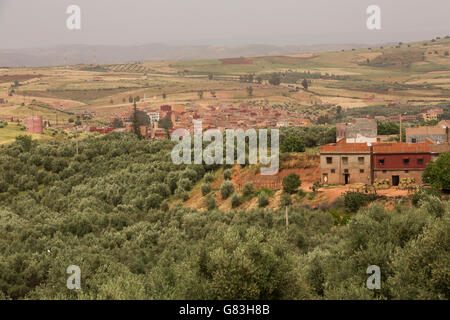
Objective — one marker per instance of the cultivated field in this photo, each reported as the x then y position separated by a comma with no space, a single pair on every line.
415,74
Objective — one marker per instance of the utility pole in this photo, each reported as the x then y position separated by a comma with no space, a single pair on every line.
76,139
287,219
400,127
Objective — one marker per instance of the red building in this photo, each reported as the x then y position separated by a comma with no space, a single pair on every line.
348,163
34,124
394,161
166,108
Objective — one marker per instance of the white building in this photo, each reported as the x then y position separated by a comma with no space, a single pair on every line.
153,116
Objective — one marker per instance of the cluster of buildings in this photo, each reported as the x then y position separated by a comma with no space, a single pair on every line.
424,115
431,114
246,116
359,155
438,133
222,116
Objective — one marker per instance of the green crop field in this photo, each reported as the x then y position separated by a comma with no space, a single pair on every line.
9,133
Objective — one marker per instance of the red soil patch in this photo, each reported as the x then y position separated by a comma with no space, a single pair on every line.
286,59
237,61
307,175
18,77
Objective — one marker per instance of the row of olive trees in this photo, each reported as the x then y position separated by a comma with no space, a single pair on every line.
110,210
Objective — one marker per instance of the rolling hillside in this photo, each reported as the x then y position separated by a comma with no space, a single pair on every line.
414,74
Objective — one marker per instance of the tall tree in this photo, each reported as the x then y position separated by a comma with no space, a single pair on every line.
275,80
136,127
165,123
438,173
305,84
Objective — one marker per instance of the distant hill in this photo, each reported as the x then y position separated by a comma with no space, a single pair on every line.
88,54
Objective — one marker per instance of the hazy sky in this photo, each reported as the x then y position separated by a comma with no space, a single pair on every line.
42,23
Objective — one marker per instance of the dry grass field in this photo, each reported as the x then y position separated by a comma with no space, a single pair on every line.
418,73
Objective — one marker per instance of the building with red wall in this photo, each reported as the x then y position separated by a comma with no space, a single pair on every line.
165,108
349,163
394,161
34,124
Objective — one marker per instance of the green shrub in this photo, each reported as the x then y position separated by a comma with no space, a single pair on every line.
263,200
301,193
3,186
248,189
227,174
293,143
185,196
235,200
211,202
209,177
164,205
424,193
269,192
206,188
355,200
291,183
433,205
180,193
226,189
153,201
316,186
185,184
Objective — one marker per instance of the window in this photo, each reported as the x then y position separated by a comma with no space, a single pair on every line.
384,171
406,171
329,160
345,170
406,161
381,161
361,160
333,171
361,170
345,160
413,140
419,161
